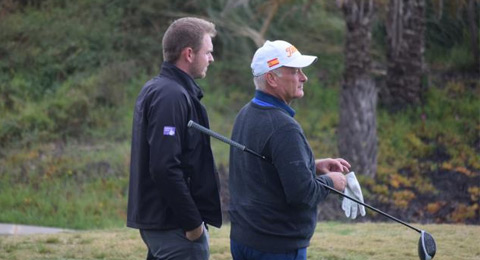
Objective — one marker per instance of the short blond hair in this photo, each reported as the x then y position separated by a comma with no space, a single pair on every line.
185,32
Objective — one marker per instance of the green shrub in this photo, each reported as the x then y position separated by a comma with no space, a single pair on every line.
69,186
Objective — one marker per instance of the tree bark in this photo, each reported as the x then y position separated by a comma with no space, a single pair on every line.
357,135
473,24
405,49
357,130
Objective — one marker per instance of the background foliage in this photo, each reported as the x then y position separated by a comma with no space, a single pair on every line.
70,72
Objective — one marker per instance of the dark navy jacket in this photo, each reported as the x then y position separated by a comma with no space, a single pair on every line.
273,206
173,179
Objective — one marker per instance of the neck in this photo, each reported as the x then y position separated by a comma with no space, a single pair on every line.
266,99
270,92
183,66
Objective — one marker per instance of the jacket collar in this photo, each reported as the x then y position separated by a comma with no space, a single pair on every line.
171,71
267,100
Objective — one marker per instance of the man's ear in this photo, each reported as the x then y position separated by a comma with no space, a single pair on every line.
271,79
187,54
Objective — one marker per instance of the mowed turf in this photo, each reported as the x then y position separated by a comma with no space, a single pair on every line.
332,240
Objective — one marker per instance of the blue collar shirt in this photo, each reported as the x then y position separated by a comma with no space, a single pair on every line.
267,100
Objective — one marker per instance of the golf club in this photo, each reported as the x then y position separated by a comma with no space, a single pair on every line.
426,244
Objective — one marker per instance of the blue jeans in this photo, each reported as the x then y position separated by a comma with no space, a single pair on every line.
242,252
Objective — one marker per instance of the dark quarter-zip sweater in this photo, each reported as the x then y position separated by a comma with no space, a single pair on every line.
273,206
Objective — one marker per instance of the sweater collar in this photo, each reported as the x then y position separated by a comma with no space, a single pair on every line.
267,100
170,70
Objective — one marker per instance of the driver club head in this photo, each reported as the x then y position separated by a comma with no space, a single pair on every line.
426,246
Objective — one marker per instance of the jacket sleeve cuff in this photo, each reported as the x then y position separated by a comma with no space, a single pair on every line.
326,180
191,225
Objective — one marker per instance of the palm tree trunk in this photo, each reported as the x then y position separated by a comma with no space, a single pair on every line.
405,48
473,25
357,128
357,135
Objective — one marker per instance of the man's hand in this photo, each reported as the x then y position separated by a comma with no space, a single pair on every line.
353,190
339,180
194,234
324,166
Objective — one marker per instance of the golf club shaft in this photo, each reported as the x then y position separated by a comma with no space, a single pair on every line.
222,138
244,148
372,208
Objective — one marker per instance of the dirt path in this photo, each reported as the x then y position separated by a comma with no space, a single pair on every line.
14,229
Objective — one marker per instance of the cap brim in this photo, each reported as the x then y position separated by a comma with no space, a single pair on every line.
302,61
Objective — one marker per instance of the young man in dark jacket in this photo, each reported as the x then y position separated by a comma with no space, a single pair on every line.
174,188
273,206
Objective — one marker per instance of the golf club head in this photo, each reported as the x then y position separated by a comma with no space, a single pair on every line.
426,246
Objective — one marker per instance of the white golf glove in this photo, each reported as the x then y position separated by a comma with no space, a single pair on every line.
352,189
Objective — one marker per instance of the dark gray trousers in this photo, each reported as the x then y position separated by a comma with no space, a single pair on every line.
174,245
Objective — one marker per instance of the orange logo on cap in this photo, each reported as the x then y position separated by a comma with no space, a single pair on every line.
273,62
290,50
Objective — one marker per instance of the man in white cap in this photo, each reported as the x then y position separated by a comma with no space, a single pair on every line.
273,206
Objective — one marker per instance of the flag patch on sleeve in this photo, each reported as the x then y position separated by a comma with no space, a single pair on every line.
169,130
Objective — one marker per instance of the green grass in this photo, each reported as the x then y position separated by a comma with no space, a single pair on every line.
331,241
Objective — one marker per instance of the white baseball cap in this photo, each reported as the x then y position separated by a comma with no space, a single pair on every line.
276,54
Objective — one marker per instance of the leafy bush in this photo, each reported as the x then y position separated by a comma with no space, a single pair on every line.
69,186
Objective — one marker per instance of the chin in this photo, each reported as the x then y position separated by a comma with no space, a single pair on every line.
203,74
200,76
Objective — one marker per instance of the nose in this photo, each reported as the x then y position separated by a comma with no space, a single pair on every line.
210,58
303,77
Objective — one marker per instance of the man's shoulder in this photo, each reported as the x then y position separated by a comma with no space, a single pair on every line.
275,114
161,81
164,86
266,118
